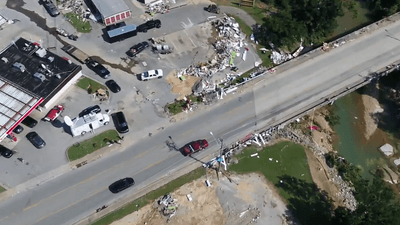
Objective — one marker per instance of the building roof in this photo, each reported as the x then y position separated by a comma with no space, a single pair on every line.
35,70
15,105
110,7
121,30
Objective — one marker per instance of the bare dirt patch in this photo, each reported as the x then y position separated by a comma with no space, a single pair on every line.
371,108
320,177
181,87
222,203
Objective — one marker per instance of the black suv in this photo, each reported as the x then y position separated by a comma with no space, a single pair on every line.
91,109
51,8
5,152
113,86
29,122
36,140
98,68
138,48
120,122
121,185
149,25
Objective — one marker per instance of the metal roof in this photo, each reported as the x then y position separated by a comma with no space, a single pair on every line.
110,7
15,105
121,30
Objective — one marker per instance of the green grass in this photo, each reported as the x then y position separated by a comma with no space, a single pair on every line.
240,78
90,85
292,161
78,23
347,23
266,61
2,189
177,106
150,197
256,12
78,151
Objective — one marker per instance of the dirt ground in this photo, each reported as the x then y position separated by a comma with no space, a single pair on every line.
182,88
371,107
222,203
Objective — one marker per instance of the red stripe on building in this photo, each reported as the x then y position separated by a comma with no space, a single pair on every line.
24,116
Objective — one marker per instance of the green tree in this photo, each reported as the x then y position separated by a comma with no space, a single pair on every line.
311,20
383,8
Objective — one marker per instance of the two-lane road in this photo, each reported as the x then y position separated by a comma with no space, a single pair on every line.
77,194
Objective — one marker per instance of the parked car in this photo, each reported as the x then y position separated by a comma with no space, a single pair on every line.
35,139
5,152
194,147
29,122
51,8
18,129
113,86
213,8
91,109
151,74
138,48
98,68
121,185
54,113
120,122
149,25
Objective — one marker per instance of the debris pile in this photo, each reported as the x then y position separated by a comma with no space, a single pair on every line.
167,206
230,41
278,58
75,6
157,7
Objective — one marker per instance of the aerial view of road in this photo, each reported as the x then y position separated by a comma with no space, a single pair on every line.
76,194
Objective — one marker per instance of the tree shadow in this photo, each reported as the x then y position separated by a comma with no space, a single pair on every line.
307,203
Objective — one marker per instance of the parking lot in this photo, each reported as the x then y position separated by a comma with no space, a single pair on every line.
185,29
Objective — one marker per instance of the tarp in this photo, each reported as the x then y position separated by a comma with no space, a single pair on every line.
121,30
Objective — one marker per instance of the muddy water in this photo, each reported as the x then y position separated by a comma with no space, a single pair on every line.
352,143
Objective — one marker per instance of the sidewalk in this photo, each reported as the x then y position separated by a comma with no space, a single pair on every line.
239,13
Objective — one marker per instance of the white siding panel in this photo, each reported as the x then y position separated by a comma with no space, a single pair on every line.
15,93
6,111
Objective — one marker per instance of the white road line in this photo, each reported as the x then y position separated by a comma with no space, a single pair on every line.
190,39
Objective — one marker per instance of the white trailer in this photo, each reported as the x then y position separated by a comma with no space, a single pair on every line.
87,123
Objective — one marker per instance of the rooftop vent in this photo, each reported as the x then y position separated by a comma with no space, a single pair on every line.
39,77
41,52
19,66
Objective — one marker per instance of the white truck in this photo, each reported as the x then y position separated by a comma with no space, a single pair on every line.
87,123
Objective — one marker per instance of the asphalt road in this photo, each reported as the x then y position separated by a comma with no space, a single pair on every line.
75,195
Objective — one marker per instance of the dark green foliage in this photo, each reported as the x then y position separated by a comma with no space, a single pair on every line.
312,20
383,8
332,119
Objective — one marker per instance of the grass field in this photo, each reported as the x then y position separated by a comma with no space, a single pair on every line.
2,189
78,23
95,143
292,161
249,31
90,85
347,23
150,197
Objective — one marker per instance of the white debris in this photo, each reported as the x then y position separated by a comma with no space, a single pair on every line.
397,162
387,149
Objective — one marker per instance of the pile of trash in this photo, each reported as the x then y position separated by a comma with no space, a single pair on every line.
157,7
167,206
230,40
75,6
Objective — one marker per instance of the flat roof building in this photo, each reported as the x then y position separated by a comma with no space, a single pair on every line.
31,76
112,11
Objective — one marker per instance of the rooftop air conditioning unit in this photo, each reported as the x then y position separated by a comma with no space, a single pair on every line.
39,76
19,66
41,52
